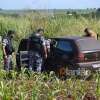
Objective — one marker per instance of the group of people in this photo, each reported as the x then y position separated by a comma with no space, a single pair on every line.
36,56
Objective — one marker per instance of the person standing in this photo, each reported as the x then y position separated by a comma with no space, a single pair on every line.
90,33
39,50
8,50
48,41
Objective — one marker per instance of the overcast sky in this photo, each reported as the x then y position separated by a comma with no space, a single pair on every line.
49,4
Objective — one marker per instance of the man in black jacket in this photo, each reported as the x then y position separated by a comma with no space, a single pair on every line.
8,50
39,51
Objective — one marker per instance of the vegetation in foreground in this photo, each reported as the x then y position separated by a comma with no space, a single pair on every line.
37,86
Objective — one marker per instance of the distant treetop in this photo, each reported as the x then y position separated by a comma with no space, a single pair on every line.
1,9
98,10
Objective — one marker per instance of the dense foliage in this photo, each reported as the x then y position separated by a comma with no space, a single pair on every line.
37,86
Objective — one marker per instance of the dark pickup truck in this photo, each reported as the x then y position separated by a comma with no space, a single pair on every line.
77,55
73,55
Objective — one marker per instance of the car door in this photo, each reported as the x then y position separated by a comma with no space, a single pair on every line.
22,55
63,51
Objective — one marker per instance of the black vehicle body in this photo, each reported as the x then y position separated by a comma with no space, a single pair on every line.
22,57
68,52
74,53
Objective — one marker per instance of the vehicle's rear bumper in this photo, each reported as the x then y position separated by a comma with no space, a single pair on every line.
90,65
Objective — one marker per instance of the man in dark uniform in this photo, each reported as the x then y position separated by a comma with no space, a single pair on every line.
8,50
39,51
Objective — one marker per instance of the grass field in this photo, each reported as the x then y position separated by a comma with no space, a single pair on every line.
37,86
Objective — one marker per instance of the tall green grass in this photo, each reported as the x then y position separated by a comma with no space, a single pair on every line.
37,86
54,25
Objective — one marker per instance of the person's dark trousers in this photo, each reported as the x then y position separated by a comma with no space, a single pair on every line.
8,65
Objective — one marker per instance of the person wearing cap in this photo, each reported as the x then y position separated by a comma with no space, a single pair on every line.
8,50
